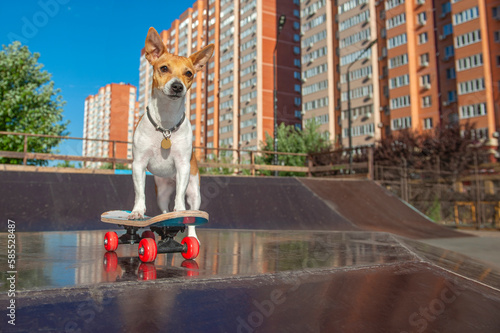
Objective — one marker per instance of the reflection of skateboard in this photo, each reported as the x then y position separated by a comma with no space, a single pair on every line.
165,225
131,268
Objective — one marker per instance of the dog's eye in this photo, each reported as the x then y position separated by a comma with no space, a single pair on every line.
164,69
189,74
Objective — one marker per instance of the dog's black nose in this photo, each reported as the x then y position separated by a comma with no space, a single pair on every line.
177,87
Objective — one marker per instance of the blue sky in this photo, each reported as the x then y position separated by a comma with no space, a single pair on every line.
86,44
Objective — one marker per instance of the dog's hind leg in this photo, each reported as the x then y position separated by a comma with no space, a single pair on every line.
164,189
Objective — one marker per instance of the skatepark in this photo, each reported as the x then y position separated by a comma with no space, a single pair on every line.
278,255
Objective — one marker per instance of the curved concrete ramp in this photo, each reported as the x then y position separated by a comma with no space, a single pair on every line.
267,203
371,207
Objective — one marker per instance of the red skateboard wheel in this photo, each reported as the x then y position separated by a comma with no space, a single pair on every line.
110,261
193,247
110,241
147,250
147,271
192,267
148,234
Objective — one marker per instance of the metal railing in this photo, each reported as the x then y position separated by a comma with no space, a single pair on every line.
251,162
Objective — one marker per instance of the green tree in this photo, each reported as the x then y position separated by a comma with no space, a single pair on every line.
28,103
290,140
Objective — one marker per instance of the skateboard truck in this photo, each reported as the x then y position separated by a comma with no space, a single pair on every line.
130,237
168,244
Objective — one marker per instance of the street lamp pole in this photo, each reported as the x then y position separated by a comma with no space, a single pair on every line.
281,23
349,116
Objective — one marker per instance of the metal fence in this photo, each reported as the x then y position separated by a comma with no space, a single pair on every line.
210,160
468,200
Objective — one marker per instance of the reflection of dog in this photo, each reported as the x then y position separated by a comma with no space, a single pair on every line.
163,139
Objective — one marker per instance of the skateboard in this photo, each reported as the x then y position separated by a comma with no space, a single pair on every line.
165,225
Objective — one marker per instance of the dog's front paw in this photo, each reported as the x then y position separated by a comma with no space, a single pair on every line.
135,215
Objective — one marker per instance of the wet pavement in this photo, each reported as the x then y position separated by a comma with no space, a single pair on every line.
249,281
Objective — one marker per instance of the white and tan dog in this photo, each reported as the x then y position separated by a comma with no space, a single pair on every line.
163,139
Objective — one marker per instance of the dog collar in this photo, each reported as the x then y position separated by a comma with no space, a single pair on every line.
167,132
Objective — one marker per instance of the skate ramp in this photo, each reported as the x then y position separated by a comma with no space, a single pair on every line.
370,207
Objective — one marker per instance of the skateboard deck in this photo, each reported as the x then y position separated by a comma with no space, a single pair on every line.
182,218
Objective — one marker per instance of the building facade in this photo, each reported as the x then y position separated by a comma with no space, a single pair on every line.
433,63
415,64
230,104
110,115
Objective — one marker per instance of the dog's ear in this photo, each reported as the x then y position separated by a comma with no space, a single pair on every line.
200,58
154,46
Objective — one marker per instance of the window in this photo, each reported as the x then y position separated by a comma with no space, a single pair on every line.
395,21
468,38
447,30
314,88
348,59
422,18
316,104
470,62
450,73
296,50
399,81
296,25
368,129
400,102
347,6
354,20
400,123
426,101
296,38
398,61
423,38
315,71
424,59
296,62
425,80
309,42
366,91
355,38
445,9
297,88
471,86
452,96
393,3
466,15
357,74
396,41
474,110
449,51
498,61
427,123
496,35
296,13
297,101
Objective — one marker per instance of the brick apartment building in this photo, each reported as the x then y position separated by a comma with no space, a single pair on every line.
434,63
231,103
110,115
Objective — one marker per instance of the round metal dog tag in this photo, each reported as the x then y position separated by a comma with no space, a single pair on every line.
166,143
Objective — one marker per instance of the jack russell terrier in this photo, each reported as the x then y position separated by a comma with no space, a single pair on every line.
163,139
